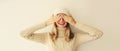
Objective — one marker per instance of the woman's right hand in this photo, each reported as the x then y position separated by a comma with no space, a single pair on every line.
51,20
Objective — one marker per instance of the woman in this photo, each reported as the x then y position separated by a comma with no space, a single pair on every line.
61,38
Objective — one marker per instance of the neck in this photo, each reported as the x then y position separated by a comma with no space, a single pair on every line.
61,31
61,27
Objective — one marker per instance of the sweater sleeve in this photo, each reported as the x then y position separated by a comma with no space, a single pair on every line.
38,37
92,33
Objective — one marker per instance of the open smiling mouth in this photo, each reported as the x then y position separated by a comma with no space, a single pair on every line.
61,23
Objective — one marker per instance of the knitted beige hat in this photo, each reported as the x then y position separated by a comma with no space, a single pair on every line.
61,10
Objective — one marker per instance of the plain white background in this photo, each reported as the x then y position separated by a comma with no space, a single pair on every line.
16,15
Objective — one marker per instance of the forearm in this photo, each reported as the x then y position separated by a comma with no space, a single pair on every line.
29,31
92,31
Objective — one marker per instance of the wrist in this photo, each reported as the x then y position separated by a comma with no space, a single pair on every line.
46,23
73,22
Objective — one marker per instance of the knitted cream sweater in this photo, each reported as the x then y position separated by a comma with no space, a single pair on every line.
61,44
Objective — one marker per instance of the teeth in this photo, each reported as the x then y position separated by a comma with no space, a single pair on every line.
61,23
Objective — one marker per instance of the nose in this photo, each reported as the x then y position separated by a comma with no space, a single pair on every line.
61,20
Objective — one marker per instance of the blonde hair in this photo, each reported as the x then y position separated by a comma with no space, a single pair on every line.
68,33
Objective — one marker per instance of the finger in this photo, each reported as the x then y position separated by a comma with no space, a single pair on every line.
55,19
66,18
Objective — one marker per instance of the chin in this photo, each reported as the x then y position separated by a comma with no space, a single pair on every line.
61,26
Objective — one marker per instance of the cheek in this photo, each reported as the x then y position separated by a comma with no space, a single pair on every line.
65,23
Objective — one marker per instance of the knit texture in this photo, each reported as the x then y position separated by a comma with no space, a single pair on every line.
61,44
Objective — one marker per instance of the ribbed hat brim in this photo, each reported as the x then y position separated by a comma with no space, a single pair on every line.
61,10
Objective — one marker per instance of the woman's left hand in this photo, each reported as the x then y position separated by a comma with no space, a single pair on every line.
70,20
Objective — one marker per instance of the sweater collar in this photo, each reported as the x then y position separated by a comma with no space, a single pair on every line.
61,32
